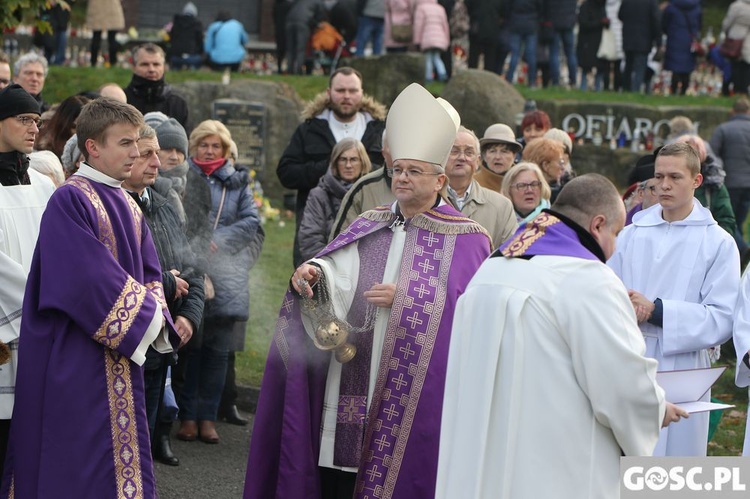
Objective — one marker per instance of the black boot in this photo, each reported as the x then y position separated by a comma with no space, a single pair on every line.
232,416
163,451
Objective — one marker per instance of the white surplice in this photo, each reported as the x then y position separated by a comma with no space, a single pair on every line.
547,384
693,266
742,346
21,208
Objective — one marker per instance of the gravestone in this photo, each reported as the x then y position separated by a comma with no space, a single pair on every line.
246,122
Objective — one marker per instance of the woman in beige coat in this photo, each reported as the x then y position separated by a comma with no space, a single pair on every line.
104,15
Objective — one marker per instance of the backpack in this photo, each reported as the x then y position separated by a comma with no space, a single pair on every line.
459,20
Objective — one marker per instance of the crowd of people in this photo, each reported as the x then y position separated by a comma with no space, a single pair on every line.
618,45
436,268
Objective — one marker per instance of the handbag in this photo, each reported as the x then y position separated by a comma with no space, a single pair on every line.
607,46
402,33
731,48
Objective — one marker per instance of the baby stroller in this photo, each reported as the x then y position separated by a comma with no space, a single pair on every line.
325,49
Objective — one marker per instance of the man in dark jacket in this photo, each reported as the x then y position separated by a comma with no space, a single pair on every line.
186,39
562,15
487,19
731,143
341,111
148,91
641,31
182,281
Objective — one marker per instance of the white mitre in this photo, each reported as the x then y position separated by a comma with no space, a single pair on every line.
421,127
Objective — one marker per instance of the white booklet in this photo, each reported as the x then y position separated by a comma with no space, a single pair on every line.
685,388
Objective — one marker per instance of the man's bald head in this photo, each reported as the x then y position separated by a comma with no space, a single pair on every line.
592,201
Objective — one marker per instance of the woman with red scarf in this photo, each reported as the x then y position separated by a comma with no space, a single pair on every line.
234,223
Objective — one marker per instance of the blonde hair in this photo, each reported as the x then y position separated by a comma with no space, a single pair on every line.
206,129
344,145
516,170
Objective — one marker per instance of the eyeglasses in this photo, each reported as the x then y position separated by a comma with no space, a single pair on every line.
27,121
409,172
343,161
522,186
468,152
651,188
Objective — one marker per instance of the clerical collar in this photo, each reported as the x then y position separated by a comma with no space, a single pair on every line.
91,173
587,240
400,220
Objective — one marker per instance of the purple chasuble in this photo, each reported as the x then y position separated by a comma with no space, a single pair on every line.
548,235
442,252
79,423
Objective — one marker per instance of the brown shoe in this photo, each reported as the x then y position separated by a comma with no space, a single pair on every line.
208,432
188,431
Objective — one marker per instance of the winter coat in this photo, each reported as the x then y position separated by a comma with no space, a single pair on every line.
397,12
196,200
486,18
681,21
147,96
230,265
306,12
431,29
322,206
525,15
737,25
613,9
186,36
370,191
562,13
641,28
174,252
590,28
225,42
306,157
714,195
731,142
105,15
491,210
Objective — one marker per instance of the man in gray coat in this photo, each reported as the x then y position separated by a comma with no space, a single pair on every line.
731,143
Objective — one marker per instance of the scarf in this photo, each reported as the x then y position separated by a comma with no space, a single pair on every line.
208,167
178,177
14,167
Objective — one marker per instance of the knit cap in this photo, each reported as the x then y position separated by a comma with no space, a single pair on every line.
171,135
70,154
155,118
14,100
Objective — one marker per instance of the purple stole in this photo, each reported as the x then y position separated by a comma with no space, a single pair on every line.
546,235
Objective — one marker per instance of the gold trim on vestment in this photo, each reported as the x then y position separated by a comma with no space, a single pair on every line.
122,314
123,422
106,234
157,288
137,217
534,230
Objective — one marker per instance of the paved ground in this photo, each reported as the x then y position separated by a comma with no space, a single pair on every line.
207,471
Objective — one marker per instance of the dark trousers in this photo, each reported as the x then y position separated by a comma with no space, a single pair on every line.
337,484
680,78
96,45
4,434
229,395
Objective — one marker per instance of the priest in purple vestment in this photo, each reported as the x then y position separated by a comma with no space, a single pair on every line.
358,414
93,305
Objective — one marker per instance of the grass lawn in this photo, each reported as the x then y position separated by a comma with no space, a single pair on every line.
268,283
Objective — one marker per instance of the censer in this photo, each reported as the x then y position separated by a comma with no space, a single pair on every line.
331,332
